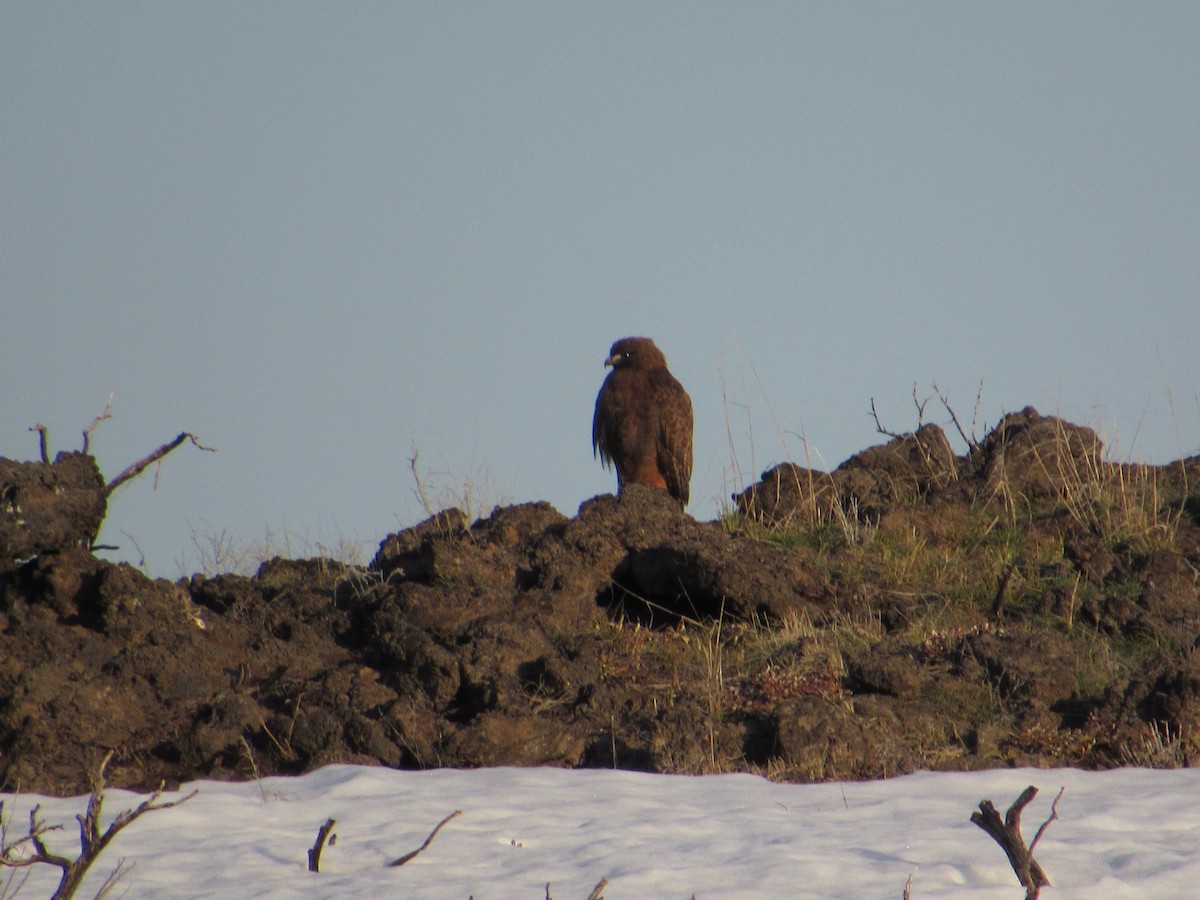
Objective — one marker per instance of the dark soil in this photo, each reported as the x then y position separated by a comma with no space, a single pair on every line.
912,609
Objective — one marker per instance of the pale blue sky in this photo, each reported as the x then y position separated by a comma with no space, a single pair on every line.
318,235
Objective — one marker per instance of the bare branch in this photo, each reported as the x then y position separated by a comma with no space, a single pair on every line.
429,840
323,835
107,414
1007,834
598,891
879,425
140,466
971,440
917,402
1053,815
920,405
92,841
975,414
41,430
40,855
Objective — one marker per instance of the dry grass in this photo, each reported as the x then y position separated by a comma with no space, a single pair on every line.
729,669
1160,748
944,574
1121,501
443,489
217,551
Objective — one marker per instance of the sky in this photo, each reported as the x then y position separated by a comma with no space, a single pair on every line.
328,238
525,834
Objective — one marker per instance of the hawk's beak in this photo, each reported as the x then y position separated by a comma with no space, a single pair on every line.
611,361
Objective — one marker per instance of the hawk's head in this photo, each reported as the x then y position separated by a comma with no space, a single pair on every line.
635,353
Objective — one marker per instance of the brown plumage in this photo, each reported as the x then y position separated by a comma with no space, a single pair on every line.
643,421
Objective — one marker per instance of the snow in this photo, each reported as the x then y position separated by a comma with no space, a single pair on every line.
1125,833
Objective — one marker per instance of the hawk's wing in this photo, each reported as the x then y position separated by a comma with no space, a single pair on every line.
674,408
602,421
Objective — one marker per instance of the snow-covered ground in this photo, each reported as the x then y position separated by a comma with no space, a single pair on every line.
1127,833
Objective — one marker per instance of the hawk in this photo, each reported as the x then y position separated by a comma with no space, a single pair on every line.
643,420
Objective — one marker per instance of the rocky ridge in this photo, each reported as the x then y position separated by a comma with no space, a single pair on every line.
1026,603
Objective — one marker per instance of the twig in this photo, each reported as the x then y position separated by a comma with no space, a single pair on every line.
323,835
409,856
908,889
420,488
1007,834
1053,815
920,405
138,467
598,891
879,425
971,441
11,886
107,414
41,430
1002,590
975,413
114,878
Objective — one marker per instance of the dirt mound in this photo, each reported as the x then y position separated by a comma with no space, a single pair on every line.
1027,603
49,506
